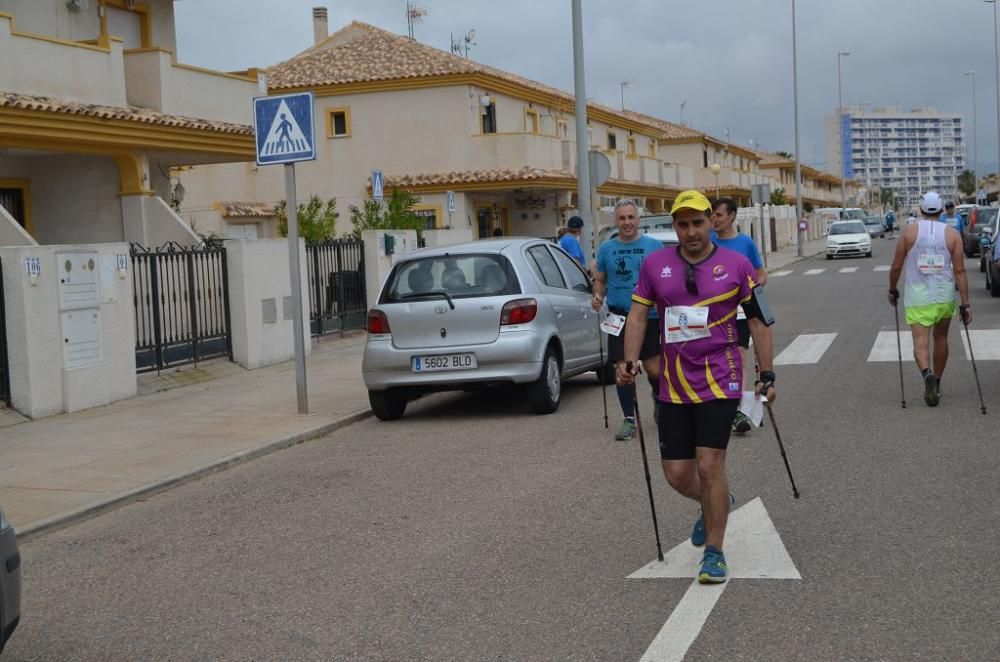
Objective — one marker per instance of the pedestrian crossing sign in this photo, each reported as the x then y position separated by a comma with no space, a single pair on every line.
283,126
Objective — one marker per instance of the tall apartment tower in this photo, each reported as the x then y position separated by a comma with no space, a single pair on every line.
908,152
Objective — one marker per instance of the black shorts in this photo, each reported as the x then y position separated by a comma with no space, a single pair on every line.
705,425
743,333
650,343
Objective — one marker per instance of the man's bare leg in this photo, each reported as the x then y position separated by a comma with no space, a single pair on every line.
921,346
682,475
714,493
940,333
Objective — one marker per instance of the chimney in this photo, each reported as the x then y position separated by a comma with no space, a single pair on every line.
320,27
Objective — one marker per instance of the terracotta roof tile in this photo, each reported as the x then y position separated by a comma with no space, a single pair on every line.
361,53
669,129
126,113
246,209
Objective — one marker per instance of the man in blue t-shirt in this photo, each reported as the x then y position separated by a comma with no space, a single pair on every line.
570,242
726,236
618,264
952,219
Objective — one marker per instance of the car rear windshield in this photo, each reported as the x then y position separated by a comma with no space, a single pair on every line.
847,228
987,215
458,276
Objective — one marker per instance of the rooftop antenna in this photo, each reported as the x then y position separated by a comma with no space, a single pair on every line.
414,14
623,84
461,46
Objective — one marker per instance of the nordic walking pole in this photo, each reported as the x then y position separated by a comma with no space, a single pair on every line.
982,405
645,469
781,446
603,372
899,353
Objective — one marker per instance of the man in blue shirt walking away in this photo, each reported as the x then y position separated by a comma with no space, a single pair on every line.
726,236
570,242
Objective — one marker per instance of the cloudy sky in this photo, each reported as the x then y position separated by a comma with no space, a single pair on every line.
729,59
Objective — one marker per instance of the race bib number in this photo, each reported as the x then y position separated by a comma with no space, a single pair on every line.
686,323
930,264
613,324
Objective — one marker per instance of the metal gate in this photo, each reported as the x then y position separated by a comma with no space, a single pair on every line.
181,305
337,300
4,370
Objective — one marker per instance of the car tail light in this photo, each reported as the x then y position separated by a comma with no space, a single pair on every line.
378,323
519,311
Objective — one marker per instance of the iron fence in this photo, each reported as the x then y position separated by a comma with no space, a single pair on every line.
337,300
4,367
181,305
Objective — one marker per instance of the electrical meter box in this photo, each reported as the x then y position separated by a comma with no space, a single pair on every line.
81,338
79,280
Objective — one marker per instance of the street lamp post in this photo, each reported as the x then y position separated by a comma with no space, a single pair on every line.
715,168
864,148
975,136
840,118
996,51
800,236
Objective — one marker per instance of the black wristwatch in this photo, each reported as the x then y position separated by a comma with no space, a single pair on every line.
766,380
894,292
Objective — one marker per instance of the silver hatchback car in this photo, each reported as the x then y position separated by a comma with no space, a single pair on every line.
478,314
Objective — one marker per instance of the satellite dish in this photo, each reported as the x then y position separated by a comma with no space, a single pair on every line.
469,37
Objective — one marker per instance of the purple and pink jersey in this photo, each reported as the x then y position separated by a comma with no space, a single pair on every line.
701,359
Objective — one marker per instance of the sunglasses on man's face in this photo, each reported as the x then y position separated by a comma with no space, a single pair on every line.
689,281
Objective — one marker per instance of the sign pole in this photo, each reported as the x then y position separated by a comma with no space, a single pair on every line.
301,389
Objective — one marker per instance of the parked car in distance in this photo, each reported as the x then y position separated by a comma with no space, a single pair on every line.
986,234
875,227
992,252
979,216
481,314
10,581
848,238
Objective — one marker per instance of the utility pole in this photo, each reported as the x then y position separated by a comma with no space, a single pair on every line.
840,118
584,204
800,243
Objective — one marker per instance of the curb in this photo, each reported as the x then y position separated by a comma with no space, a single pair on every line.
796,261
222,464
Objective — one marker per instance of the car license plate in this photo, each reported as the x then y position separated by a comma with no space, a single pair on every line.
443,362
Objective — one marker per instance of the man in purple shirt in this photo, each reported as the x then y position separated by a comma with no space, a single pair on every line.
696,289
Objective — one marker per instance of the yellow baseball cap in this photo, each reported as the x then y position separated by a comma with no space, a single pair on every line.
691,199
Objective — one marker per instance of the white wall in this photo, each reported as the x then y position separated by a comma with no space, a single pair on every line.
40,384
436,238
259,271
11,232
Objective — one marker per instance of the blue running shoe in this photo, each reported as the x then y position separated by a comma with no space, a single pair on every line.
698,534
713,567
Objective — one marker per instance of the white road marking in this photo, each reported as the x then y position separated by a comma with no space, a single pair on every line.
985,343
885,348
883,267
755,551
777,274
814,272
807,348
848,270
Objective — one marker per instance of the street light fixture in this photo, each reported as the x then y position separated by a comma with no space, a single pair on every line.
975,136
840,118
715,169
996,50
800,236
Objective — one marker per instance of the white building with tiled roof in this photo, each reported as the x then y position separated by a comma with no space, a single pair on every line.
435,122
95,111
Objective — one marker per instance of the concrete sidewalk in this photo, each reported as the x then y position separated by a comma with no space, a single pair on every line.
787,256
56,470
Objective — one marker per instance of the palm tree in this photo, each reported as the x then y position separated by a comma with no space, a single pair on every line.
967,182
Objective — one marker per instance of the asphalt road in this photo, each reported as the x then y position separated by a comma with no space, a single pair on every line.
473,530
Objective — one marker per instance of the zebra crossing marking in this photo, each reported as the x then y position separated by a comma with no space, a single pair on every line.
848,270
778,274
814,272
885,348
985,343
806,348
882,267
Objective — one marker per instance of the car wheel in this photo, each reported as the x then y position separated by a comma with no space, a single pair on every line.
606,375
387,405
868,254
994,285
982,265
829,257
545,392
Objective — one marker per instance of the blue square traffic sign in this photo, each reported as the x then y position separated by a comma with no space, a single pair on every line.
283,126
